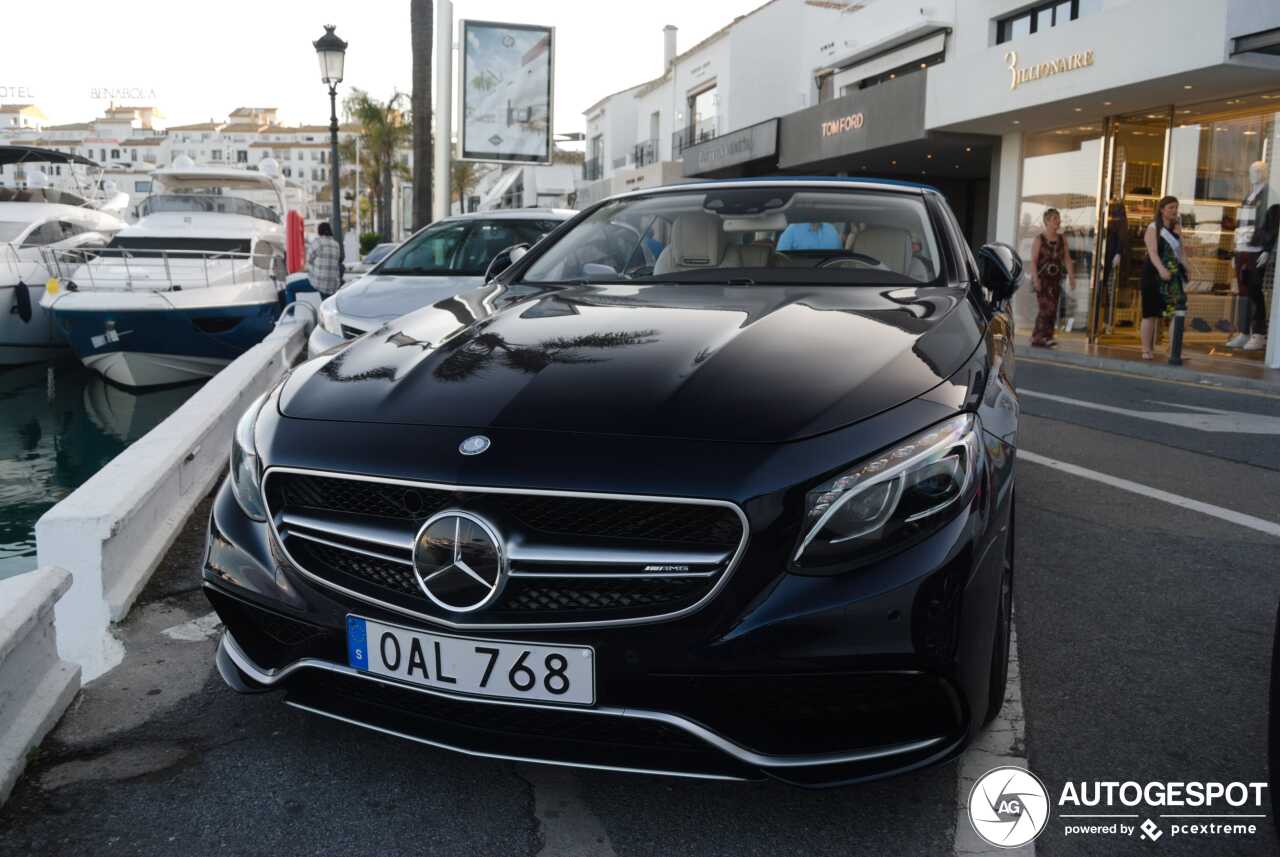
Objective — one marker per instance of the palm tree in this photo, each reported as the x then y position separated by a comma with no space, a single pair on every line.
422,34
383,131
464,175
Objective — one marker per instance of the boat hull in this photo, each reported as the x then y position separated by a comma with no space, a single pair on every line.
33,341
149,348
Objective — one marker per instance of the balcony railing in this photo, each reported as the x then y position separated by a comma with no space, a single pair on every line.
691,135
592,170
645,153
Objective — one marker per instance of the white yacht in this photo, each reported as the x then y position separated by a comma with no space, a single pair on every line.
193,284
37,222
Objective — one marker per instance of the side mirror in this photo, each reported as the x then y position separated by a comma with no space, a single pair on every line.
505,259
1000,268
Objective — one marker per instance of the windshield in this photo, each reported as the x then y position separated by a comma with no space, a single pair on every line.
10,230
462,247
378,253
206,202
764,234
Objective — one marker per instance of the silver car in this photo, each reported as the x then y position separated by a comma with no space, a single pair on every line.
437,262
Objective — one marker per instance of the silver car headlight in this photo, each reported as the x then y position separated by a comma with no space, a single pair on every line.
890,499
246,468
329,316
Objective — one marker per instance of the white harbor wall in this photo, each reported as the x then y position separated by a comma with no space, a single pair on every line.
36,685
112,532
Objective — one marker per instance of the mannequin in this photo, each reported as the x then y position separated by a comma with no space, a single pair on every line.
1254,236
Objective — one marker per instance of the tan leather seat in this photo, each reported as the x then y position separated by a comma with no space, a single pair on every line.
890,245
747,256
697,242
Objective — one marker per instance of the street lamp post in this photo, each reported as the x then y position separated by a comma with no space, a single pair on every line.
332,52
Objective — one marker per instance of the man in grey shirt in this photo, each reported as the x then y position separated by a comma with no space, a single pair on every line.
324,261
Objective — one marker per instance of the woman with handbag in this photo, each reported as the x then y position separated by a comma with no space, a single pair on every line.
1050,260
1161,270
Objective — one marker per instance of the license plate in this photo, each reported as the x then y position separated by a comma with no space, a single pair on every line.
496,668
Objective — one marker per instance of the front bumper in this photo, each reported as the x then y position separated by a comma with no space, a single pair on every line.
321,341
815,681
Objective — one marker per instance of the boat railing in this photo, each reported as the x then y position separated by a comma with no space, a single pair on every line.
120,269
15,269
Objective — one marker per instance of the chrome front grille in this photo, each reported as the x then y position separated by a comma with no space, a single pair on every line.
574,559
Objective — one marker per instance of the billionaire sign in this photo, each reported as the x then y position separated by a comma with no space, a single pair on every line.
1026,74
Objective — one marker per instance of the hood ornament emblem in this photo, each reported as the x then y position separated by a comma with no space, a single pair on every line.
474,445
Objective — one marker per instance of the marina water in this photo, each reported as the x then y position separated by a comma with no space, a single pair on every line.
60,424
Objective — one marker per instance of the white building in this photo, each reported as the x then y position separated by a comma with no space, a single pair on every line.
128,144
1008,107
716,109
1099,108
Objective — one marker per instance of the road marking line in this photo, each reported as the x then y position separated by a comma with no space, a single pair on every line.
567,826
1004,742
1198,385
1263,526
1207,420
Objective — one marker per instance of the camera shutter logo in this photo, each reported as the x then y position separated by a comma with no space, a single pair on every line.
1008,807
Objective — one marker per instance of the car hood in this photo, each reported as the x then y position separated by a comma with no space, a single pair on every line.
386,297
734,363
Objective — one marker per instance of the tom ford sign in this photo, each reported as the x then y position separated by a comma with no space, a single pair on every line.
738,147
1059,65
842,124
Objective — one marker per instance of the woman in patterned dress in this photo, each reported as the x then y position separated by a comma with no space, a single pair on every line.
1050,261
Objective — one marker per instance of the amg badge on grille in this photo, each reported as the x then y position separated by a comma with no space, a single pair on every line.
474,445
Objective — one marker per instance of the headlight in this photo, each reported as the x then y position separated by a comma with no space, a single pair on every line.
891,499
246,470
329,316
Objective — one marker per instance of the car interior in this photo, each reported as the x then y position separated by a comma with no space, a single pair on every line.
679,234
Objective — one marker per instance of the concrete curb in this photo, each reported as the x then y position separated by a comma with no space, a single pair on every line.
113,530
36,686
1150,369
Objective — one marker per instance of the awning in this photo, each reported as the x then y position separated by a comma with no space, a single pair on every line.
878,65
33,154
1265,42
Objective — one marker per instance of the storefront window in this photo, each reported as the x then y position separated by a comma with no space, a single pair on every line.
1222,168
1060,171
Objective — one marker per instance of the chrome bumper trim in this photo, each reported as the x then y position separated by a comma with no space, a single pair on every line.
269,677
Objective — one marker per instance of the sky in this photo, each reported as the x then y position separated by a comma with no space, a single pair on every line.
197,62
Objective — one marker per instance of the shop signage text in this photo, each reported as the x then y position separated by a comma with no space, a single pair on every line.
16,92
1072,62
841,124
122,93
738,147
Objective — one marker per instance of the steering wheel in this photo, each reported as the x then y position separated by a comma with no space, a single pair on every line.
852,256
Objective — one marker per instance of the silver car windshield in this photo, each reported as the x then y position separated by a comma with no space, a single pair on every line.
764,234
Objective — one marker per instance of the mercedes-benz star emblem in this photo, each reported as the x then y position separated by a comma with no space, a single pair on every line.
458,560
474,445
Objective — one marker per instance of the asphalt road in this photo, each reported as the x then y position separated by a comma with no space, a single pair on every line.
1144,631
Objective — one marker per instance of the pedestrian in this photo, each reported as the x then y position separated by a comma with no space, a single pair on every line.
1161,269
1050,260
324,261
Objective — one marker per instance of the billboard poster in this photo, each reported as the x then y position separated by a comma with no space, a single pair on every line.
506,80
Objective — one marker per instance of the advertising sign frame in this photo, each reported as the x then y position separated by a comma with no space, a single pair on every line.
483,151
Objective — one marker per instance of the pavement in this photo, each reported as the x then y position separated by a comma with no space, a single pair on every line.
1145,600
